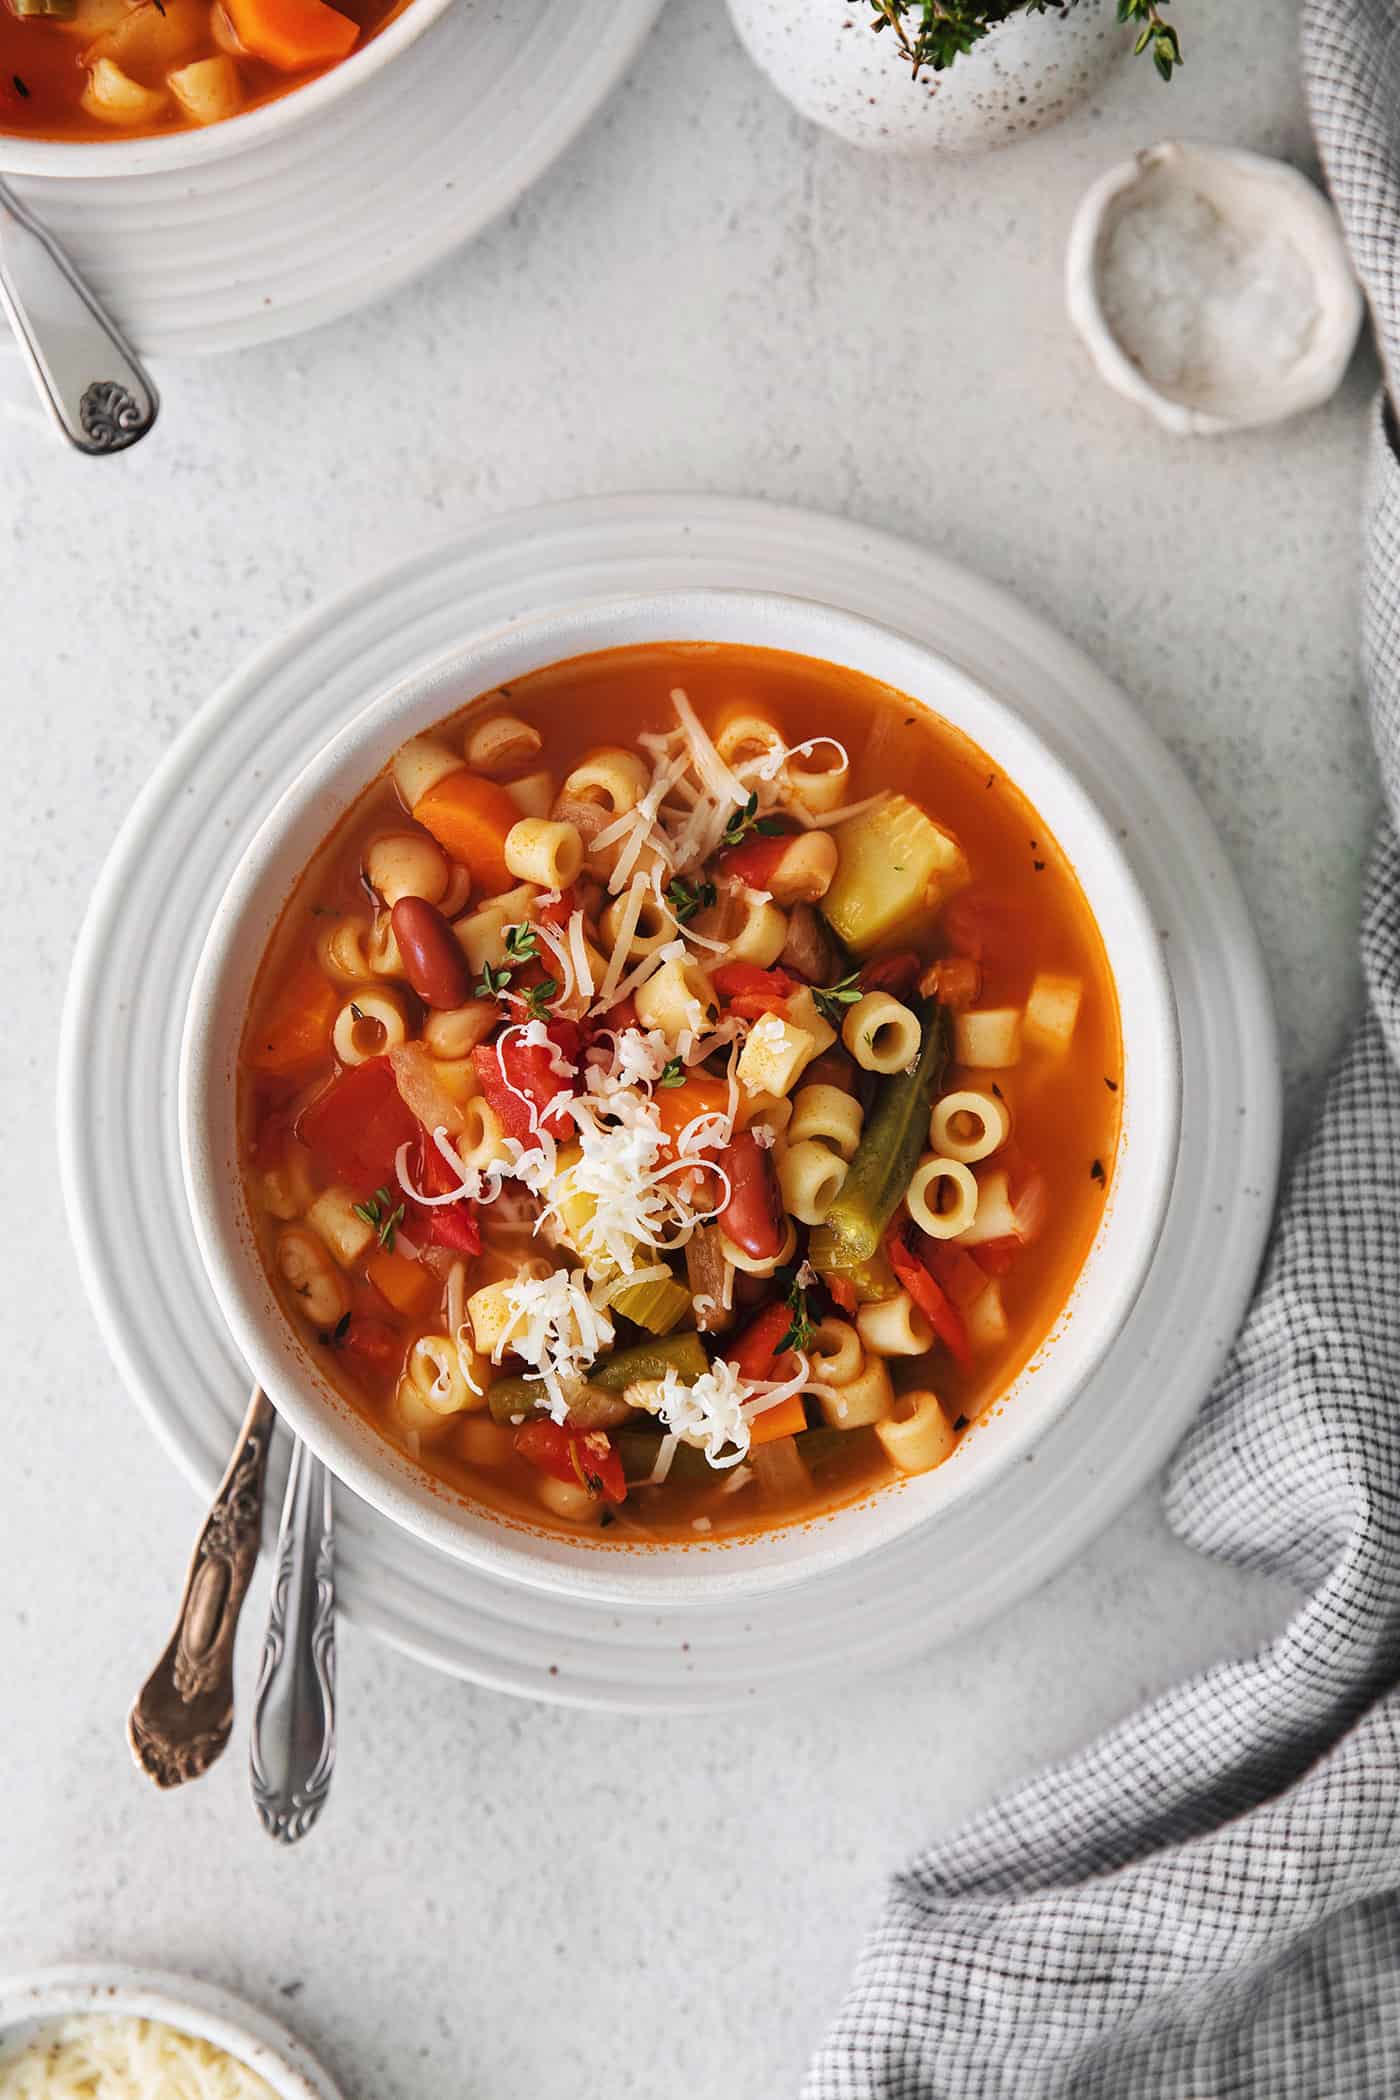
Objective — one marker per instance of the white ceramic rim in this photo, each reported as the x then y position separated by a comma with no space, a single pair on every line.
197,145
1340,302
366,1461
39,1997
117,1123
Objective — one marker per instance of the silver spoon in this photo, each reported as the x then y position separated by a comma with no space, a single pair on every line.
89,377
184,1711
291,1752
183,1714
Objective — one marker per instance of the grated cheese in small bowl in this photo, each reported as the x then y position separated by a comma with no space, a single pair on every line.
91,2056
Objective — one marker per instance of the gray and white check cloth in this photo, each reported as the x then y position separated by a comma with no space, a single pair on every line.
1205,1905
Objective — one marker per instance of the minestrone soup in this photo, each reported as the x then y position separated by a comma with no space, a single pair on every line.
680,1094
103,69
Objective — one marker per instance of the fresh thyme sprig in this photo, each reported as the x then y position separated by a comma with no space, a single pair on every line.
522,943
832,998
538,997
382,1215
935,33
672,1073
494,983
746,820
687,898
799,1334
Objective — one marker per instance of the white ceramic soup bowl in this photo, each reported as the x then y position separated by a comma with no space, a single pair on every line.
276,858
198,145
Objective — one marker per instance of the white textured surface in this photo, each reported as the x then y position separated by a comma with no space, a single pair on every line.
506,1900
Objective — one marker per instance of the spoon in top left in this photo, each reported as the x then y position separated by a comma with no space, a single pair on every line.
89,377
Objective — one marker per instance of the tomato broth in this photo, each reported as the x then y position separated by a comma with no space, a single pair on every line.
718,968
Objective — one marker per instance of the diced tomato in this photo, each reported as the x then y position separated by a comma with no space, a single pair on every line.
561,910
979,923
355,1128
623,1015
931,1299
750,992
374,1344
994,1257
511,1067
955,981
432,1173
454,1225
842,1292
585,1457
754,1353
955,1270
753,861
897,973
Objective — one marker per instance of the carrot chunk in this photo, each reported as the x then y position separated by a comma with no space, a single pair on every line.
788,1418
297,1024
469,818
293,34
407,1285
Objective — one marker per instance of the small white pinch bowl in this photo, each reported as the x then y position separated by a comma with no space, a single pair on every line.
1257,195
197,145
31,2006
687,1572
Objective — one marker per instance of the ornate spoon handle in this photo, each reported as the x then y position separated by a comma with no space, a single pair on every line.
91,379
292,1751
184,1711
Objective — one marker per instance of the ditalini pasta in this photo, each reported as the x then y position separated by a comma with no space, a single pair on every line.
682,1135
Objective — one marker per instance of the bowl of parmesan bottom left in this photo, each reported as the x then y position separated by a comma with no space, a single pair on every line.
98,2031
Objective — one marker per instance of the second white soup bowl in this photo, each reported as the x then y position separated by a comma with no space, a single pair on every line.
1109,1282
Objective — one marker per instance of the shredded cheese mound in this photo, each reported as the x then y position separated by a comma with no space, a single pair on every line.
556,1326
715,1412
110,2057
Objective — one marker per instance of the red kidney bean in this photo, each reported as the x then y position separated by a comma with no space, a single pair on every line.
753,1217
433,963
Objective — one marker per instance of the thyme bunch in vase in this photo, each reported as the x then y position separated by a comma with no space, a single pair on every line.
933,34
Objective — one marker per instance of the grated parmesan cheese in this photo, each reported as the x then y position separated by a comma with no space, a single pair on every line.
111,2057
557,1329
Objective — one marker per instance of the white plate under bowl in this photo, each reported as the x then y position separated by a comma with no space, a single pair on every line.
31,2004
358,198
130,987
277,1348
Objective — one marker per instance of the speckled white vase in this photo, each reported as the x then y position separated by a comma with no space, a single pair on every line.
1030,71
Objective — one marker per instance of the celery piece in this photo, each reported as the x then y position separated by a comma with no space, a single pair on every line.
894,870
848,1242
657,1306
819,1446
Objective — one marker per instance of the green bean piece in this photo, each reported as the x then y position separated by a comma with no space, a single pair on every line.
682,1353
637,1447
848,1242
513,1398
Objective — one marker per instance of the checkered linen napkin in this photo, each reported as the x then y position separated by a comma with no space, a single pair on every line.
1204,1904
